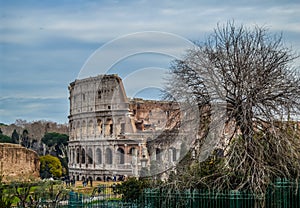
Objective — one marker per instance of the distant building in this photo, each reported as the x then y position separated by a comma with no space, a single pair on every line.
109,132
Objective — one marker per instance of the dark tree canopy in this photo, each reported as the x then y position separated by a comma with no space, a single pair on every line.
132,188
249,75
5,139
57,146
25,140
51,139
15,137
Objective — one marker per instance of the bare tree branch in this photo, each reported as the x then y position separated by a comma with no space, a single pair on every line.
249,74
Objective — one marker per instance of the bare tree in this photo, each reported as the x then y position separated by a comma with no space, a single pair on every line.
249,75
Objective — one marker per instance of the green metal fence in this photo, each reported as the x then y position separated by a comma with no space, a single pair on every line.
281,194
104,196
198,198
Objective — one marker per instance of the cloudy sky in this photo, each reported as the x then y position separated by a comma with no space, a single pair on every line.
45,45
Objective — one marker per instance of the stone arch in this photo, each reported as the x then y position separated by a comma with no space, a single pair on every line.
172,154
120,127
99,156
108,156
83,127
90,156
83,156
77,156
133,151
183,150
78,127
158,153
109,127
91,128
99,126
72,156
121,155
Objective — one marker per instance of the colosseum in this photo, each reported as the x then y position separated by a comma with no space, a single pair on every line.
110,133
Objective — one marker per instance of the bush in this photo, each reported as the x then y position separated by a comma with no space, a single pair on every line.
50,167
132,188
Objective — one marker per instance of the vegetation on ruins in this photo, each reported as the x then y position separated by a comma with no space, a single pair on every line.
249,75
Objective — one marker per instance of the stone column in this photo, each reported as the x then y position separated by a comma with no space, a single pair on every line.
177,154
126,154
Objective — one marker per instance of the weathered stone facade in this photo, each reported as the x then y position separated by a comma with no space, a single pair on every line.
18,163
109,132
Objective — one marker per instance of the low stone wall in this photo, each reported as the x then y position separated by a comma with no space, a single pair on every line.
18,163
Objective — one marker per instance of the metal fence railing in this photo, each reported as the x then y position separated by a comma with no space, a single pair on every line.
280,194
102,196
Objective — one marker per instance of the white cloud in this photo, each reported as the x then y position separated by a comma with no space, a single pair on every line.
52,41
97,23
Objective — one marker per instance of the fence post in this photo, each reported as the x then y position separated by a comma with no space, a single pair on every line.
235,199
278,193
72,199
195,198
80,200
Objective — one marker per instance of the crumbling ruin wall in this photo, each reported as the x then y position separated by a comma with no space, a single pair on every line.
152,115
18,163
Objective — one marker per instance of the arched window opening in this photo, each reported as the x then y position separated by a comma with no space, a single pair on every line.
108,156
172,154
133,151
122,128
99,156
91,128
99,126
121,156
90,156
73,156
77,156
83,128
158,153
109,127
82,156
78,130
183,150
